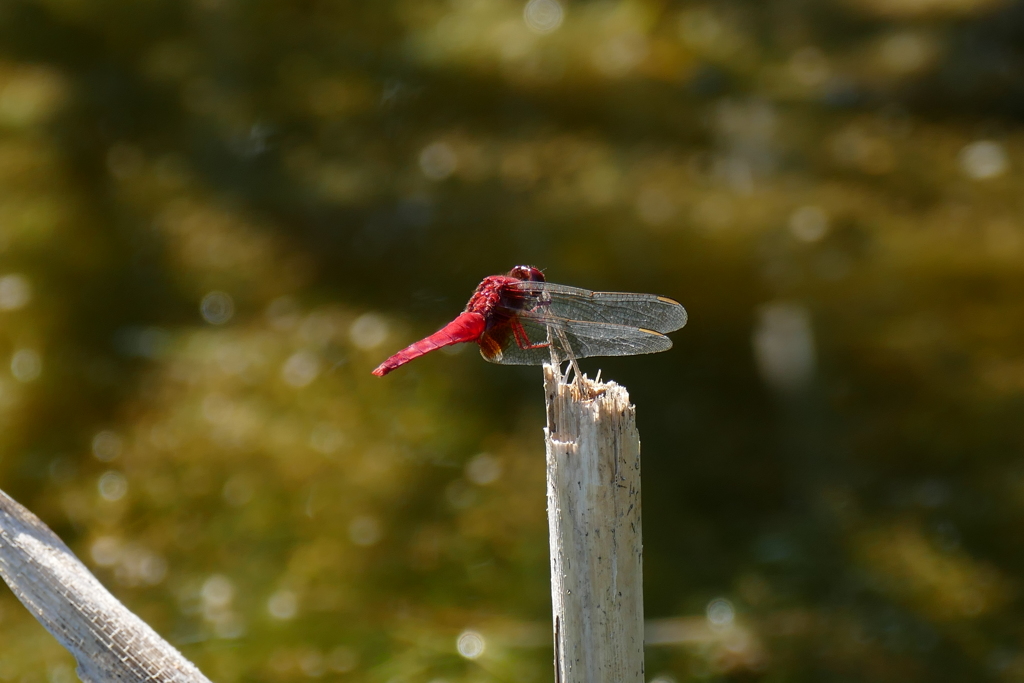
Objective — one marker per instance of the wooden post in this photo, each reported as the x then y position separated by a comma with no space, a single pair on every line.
593,477
108,642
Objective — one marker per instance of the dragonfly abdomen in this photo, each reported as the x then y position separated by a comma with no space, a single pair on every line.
465,328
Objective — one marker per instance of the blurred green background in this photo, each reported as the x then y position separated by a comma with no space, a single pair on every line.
217,216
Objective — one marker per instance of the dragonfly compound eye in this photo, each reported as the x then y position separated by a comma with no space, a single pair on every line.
527,273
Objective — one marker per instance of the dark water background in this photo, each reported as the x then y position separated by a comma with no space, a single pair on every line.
217,216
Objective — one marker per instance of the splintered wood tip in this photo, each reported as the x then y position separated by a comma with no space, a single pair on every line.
584,401
583,389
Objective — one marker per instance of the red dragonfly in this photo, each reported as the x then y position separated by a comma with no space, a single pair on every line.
520,319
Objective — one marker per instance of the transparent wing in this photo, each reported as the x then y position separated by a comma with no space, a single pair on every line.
548,300
524,341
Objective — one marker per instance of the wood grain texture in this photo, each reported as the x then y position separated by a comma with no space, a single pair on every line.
593,477
108,642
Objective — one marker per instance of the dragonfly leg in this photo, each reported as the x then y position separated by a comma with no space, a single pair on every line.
573,367
577,375
523,340
524,343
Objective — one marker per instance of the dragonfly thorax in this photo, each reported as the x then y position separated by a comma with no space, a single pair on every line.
488,294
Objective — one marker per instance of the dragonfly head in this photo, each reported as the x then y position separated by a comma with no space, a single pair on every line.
528,273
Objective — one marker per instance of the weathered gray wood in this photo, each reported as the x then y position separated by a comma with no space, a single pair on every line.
108,642
593,475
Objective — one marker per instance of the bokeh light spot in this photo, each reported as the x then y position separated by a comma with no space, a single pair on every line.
808,223
483,469
906,52
312,663
368,331
301,368
106,551
784,346
470,644
147,568
112,486
365,530
618,56
543,16
15,292
26,365
283,605
984,159
218,591
438,161
720,613
106,445
30,95
217,308
343,659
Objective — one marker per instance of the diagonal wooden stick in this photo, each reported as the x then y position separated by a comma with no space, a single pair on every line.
108,642
593,475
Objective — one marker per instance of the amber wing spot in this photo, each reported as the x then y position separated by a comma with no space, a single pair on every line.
489,347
